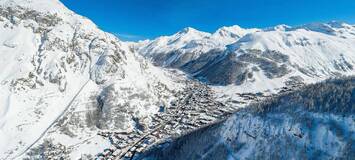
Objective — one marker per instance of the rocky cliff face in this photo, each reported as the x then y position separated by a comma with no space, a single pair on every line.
69,90
63,80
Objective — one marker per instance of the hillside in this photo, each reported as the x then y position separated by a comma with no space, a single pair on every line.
63,80
69,90
316,122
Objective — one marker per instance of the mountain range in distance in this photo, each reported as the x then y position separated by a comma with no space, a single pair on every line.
69,90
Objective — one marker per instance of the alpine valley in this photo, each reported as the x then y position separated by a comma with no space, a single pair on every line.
69,90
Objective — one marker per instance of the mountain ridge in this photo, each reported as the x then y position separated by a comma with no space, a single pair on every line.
70,90
61,79
327,41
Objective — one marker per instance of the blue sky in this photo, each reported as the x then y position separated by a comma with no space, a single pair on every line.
147,19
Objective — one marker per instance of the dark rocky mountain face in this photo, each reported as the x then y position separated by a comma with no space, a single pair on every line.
223,68
71,91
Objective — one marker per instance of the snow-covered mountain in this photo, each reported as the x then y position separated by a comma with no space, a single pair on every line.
316,122
228,35
63,80
70,90
275,57
261,59
188,44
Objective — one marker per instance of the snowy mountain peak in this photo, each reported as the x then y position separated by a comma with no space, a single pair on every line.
188,44
338,24
231,34
190,32
334,28
226,31
326,28
186,40
187,30
281,27
231,54
67,88
55,63
45,6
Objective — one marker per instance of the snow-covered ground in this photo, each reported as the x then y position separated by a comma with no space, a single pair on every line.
316,122
54,64
63,80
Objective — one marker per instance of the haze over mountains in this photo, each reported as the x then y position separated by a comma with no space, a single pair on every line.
69,90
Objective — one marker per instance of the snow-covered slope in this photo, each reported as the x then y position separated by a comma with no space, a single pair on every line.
265,57
70,90
316,122
229,35
235,60
62,80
